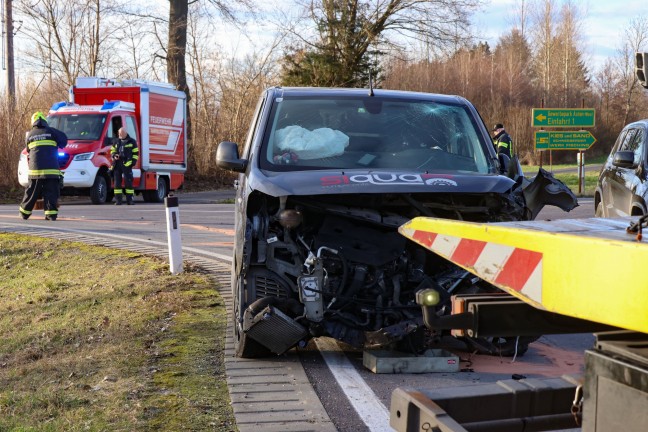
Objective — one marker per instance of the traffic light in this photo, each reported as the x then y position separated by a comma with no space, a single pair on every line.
641,68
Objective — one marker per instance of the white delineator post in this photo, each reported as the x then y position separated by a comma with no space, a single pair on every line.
173,234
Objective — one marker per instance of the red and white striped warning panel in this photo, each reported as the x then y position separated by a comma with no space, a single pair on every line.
585,269
505,266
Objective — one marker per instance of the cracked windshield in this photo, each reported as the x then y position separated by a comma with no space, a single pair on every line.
372,132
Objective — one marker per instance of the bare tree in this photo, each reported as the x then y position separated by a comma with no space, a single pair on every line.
543,35
635,38
177,44
69,36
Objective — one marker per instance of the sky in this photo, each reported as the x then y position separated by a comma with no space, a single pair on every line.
603,23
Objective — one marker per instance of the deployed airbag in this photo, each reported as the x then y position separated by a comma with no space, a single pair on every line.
316,144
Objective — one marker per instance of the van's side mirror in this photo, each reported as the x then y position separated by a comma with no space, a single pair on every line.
107,141
624,159
227,157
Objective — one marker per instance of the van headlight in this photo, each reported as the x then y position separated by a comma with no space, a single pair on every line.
83,156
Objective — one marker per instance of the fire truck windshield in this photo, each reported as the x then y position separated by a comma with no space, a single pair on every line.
79,126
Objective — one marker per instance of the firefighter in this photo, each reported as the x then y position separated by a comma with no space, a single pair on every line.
502,140
124,153
42,143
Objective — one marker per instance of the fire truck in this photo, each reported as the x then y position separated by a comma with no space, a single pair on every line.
153,113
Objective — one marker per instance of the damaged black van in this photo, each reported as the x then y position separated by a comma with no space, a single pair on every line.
326,177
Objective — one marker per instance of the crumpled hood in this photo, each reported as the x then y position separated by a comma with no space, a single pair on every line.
362,181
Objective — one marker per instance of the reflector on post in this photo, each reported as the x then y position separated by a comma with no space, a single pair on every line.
173,234
641,62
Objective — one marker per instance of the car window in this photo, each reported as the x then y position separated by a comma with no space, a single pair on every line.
253,127
319,132
627,140
617,144
636,145
131,127
79,126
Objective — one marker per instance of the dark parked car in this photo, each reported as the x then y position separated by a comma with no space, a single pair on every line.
326,178
622,187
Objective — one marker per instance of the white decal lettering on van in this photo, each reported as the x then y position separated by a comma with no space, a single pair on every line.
390,179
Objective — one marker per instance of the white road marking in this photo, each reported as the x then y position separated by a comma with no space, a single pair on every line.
119,237
365,402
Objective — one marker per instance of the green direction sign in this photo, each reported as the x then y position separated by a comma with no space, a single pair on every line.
567,140
559,117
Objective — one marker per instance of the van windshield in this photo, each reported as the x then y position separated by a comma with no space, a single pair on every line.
79,126
373,133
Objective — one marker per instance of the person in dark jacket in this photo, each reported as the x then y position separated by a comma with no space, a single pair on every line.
43,143
124,153
502,140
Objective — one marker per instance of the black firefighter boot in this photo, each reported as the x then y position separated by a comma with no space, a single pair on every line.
118,199
129,199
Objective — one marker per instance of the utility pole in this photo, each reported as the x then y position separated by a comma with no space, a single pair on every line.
8,51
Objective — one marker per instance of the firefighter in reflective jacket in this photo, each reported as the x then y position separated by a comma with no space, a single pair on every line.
502,140
124,153
42,143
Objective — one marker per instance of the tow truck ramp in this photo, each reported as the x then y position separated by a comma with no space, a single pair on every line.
584,274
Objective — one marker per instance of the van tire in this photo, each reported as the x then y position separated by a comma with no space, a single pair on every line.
99,190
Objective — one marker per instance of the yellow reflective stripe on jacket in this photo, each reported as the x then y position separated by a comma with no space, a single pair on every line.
33,144
502,144
44,172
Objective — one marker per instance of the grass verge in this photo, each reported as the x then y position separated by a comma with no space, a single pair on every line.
571,180
96,339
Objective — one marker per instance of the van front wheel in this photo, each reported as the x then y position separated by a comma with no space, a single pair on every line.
99,190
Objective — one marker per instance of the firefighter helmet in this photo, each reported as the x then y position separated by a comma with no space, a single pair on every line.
38,115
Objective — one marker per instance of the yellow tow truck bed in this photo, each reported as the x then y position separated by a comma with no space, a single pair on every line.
584,268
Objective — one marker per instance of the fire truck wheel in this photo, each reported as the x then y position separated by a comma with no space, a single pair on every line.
99,190
158,195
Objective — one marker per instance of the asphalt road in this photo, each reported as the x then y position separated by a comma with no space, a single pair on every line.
207,228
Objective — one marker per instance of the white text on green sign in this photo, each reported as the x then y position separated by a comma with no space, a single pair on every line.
567,140
563,117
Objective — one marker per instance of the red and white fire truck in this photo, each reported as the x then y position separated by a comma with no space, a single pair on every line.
152,113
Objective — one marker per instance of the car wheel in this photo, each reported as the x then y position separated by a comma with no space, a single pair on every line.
157,195
244,346
99,190
599,210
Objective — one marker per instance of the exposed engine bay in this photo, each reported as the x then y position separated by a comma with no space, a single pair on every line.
335,265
